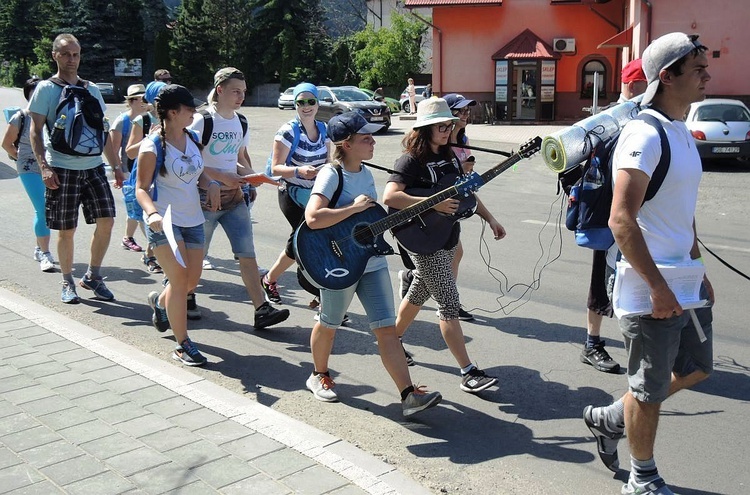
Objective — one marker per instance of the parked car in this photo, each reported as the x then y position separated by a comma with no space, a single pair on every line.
337,100
404,98
393,105
721,128
109,92
286,99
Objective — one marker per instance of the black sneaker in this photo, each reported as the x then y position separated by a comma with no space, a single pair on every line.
267,315
271,290
409,357
476,380
464,315
599,358
189,354
159,317
193,313
405,278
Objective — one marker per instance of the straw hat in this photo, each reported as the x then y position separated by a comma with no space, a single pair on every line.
433,111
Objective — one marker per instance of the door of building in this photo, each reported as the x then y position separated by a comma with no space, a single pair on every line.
524,90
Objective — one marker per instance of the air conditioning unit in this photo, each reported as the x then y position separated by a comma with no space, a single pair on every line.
564,45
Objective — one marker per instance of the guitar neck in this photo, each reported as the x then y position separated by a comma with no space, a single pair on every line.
500,168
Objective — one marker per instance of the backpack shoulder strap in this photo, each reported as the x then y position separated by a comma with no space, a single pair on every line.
295,142
243,123
193,135
322,129
657,178
146,124
21,124
339,188
208,126
125,128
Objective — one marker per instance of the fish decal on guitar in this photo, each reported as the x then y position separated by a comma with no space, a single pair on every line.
335,257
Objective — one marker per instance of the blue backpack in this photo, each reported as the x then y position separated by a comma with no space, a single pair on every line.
80,127
590,198
322,130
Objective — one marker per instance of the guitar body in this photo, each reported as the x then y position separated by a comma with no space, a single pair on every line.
428,232
336,257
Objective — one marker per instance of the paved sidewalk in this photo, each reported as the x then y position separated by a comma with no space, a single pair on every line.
83,413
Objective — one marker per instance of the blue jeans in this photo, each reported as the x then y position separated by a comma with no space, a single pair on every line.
192,236
238,227
375,292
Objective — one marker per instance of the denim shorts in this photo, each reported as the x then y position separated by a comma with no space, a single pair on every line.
192,236
237,225
375,292
658,348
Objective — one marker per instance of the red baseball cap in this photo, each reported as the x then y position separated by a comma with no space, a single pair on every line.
633,71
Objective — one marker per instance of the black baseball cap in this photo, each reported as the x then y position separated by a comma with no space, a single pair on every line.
172,95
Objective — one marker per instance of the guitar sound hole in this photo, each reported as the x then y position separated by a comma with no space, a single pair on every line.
363,235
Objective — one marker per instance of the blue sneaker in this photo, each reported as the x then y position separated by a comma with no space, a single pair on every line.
159,317
189,354
69,295
97,285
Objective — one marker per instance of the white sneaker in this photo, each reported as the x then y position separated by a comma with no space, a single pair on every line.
207,264
47,263
37,254
322,388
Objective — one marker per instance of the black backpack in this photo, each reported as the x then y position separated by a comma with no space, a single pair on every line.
590,197
79,128
208,125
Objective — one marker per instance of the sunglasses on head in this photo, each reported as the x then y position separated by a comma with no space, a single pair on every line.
308,102
445,127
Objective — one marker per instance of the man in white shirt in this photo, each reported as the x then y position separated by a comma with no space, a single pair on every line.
665,353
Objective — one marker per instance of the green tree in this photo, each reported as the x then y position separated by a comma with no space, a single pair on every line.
384,57
191,47
19,36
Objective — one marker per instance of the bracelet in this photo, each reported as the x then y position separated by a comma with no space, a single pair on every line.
214,182
295,172
151,214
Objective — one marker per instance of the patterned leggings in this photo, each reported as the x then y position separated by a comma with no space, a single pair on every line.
433,278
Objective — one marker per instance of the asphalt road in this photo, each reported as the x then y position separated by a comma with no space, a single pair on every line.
528,293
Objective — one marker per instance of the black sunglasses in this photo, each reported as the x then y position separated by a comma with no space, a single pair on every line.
310,102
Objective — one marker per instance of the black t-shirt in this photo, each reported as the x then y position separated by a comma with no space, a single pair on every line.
414,175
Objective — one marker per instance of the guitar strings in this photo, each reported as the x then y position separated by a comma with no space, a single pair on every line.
546,257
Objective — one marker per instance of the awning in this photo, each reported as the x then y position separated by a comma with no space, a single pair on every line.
623,39
409,4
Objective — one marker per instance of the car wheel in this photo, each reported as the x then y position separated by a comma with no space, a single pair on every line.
405,107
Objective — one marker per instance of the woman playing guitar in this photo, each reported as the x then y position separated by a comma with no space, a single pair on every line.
352,137
427,160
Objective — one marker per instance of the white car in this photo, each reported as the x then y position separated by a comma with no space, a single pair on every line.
721,128
286,99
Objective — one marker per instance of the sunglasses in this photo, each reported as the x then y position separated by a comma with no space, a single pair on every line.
166,80
310,102
445,127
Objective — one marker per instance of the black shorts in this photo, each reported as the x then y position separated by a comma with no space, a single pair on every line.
89,188
598,301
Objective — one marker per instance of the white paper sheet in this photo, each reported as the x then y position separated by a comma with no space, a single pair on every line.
166,224
631,295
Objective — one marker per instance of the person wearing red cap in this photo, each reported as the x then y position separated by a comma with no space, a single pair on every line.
633,80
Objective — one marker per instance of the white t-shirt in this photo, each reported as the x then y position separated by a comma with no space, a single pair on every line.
355,183
666,221
225,142
179,187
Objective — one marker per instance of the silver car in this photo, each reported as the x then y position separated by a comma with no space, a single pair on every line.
286,99
721,128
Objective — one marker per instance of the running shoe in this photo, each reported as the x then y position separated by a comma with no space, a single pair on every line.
271,290
189,354
207,265
464,315
607,436
130,244
476,380
159,317
47,263
193,312
322,387
409,357
267,315
599,358
97,285
405,278
69,295
655,487
37,254
419,400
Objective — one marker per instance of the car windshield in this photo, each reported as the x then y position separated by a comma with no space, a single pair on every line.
289,91
723,113
349,94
